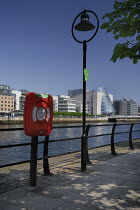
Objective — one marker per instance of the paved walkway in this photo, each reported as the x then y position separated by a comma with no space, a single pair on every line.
109,184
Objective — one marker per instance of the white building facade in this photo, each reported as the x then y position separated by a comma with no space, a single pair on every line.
17,95
55,103
63,103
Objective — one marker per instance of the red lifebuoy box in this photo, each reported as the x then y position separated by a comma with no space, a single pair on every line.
38,114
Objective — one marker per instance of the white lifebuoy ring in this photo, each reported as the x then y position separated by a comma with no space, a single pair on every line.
48,114
40,114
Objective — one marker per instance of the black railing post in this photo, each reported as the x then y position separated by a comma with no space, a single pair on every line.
33,162
87,131
83,152
113,152
45,157
130,136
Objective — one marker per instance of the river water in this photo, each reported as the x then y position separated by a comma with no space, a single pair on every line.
10,155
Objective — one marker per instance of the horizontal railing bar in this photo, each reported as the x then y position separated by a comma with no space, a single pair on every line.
11,129
92,125
109,144
122,132
106,134
51,141
40,142
73,126
17,163
14,145
135,139
18,145
59,140
28,161
14,129
134,131
68,139
114,133
126,132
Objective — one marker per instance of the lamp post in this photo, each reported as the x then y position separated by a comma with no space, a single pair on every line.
84,25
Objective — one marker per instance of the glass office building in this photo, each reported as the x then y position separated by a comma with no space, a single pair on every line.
98,101
106,104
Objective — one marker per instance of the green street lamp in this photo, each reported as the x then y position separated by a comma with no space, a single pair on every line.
84,25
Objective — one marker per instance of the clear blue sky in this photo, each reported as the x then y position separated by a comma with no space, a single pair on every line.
38,53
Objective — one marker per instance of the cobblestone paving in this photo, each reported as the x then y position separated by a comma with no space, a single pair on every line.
16,176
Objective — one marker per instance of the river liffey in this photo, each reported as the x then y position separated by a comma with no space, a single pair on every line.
17,154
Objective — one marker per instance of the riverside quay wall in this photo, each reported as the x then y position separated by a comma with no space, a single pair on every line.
5,120
18,120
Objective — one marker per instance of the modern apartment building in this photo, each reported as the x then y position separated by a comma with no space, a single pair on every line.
22,99
132,108
120,107
17,96
6,100
55,103
63,103
125,108
66,104
19,99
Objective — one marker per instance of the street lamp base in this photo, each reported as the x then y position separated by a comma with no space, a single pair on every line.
83,152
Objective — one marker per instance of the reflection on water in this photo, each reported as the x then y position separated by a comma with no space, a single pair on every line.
23,153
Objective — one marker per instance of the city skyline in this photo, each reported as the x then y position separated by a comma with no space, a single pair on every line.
39,54
96,89
98,102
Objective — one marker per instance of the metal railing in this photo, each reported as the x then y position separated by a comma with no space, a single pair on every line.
88,127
